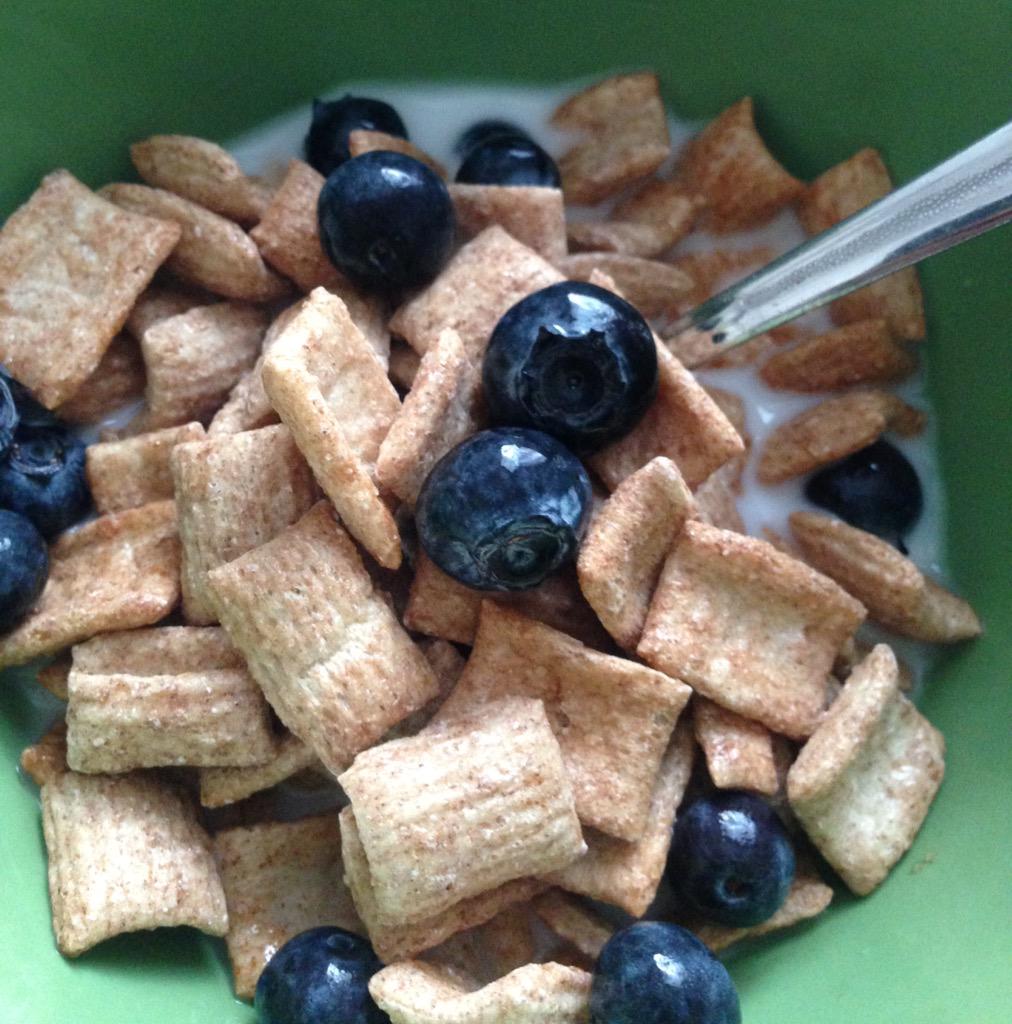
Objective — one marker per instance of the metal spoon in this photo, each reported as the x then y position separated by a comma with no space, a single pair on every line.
968,194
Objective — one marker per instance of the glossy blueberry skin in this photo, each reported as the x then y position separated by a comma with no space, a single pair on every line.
319,977
482,131
509,160
875,489
42,478
333,121
386,221
504,509
573,360
655,973
24,567
731,859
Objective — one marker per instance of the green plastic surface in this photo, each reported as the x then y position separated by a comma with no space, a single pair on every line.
79,80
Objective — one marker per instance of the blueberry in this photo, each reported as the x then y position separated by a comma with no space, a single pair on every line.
42,478
333,121
573,360
875,489
9,417
24,567
509,160
504,509
481,131
30,412
319,977
386,221
731,859
654,973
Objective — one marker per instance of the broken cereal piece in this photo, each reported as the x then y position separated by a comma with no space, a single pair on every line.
738,751
46,759
118,380
572,920
533,215
362,140
221,786
654,288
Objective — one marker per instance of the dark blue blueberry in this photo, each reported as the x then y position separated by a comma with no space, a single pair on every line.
509,160
30,412
504,509
573,360
333,121
319,977
481,131
654,973
24,568
42,477
731,859
875,489
9,417
386,221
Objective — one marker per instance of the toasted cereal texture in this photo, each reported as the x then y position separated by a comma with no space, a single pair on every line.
117,572
365,141
665,205
212,252
126,854
125,474
753,629
654,288
732,406
621,556
624,130
331,657
441,409
415,992
222,786
729,164
534,216
280,879
855,652
331,390
502,769
174,649
404,363
613,718
160,300
738,751
71,266
202,172
572,920
836,194
624,874
448,664
234,492
716,269
482,281
118,380
613,236
896,593
489,952
46,759
53,677
862,785
834,428
716,498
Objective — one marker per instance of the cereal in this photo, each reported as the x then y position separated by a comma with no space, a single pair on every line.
280,879
489,952
534,216
447,664
403,367
716,269
331,657
118,572
654,288
574,922
118,380
222,786
159,301
364,141
610,236
896,593
53,677
716,498
751,628
126,854
625,136
738,751
862,785
71,266
664,205
47,759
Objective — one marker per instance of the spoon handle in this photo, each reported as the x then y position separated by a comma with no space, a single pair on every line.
968,194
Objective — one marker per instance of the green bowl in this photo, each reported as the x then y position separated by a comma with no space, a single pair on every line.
80,80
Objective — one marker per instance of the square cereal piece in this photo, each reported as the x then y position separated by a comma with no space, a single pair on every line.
501,770
53,677
163,298
573,921
46,759
419,993
747,626
653,287
834,428
533,215
365,141
896,593
222,786
117,572
118,380
441,409
448,664
729,164
331,390
280,879
71,266
125,474
485,278
234,493
835,195
862,785
200,171
212,252
490,951
628,539
152,698
665,205
624,874
613,718
738,751
625,136
125,854
331,657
